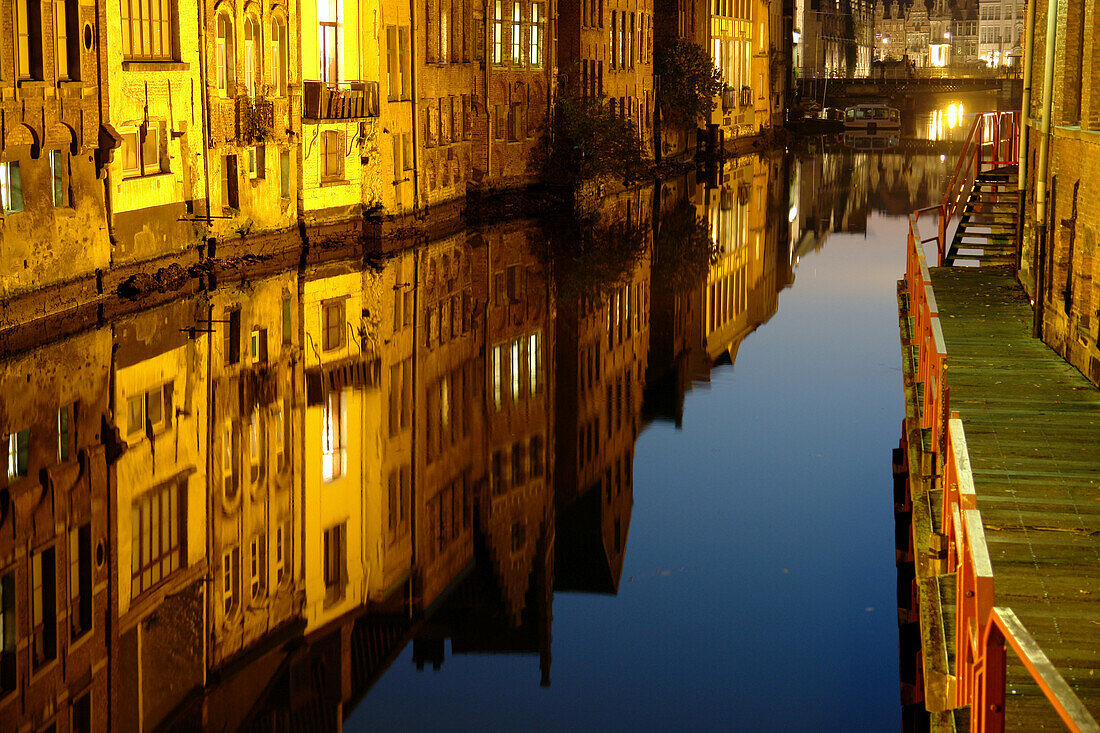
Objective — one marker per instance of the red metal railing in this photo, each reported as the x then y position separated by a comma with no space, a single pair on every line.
981,628
993,141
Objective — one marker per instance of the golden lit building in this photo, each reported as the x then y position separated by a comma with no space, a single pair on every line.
153,141
605,49
520,65
159,405
741,47
450,435
54,538
398,139
341,426
252,89
340,171
516,513
254,489
51,203
445,81
602,349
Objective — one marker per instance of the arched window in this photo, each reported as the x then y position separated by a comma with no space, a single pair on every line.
278,57
225,56
253,67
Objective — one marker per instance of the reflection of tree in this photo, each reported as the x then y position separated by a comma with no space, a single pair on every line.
590,256
684,248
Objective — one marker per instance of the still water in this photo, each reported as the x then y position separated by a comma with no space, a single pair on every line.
511,479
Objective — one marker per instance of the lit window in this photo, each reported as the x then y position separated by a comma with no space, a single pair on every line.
332,156
329,32
252,45
333,426
514,366
155,531
517,47
498,376
498,32
19,448
224,56
278,58
534,35
141,151
258,566
231,573
147,29
534,362
11,188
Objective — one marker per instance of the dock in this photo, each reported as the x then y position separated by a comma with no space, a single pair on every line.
1001,431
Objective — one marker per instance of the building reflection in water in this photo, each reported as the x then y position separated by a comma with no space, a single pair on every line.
235,507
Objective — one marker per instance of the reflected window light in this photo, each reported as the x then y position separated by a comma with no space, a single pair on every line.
498,376
534,358
333,425
514,366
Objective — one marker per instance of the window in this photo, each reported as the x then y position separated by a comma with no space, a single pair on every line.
224,56
232,346
517,46
11,188
59,173
332,324
329,38
141,151
19,449
535,455
64,440
499,122
282,433
535,36
258,566
147,30
498,32
258,346
7,631
82,714
284,174
257,162
334,561
280,553
156,549
231,579
43,608
66,38
333,427
231,443
498,376
400,487
519,468
230,186
515,364
332,156
400,396
288,321
534,362
255,446
28,22
279,62
80,580
150,411
253,67
403,58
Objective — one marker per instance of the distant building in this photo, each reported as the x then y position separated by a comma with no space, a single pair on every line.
833,38
1001,31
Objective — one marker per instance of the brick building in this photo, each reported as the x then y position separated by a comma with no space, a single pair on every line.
605,49
54,537
51,204
1058,257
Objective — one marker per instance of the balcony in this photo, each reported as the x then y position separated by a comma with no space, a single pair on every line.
746,96
729,99
346,100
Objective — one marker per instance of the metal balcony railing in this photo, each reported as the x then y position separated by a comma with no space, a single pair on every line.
346,100
729,99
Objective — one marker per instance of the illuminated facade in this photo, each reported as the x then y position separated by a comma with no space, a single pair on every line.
605,49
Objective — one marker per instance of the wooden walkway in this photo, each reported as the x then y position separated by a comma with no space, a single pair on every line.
1032,425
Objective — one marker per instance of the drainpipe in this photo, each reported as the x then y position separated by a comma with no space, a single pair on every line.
414,104
1025,113
1042,165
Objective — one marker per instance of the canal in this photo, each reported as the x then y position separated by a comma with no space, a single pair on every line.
517,477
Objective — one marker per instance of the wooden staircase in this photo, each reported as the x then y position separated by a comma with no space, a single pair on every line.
986,232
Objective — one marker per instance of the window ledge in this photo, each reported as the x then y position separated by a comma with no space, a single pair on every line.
1074,132
155,66
147,176
334,182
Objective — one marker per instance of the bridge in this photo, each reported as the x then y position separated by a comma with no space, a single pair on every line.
995,493
902,90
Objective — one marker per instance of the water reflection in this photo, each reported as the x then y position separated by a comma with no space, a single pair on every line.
236,508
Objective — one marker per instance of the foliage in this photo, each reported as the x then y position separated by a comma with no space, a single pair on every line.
591,256
587,143
684,249
689,82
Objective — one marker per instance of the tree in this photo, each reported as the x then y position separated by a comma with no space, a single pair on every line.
588,143
689,82
684,248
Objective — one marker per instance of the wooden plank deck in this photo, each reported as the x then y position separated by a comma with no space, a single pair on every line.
1033,427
